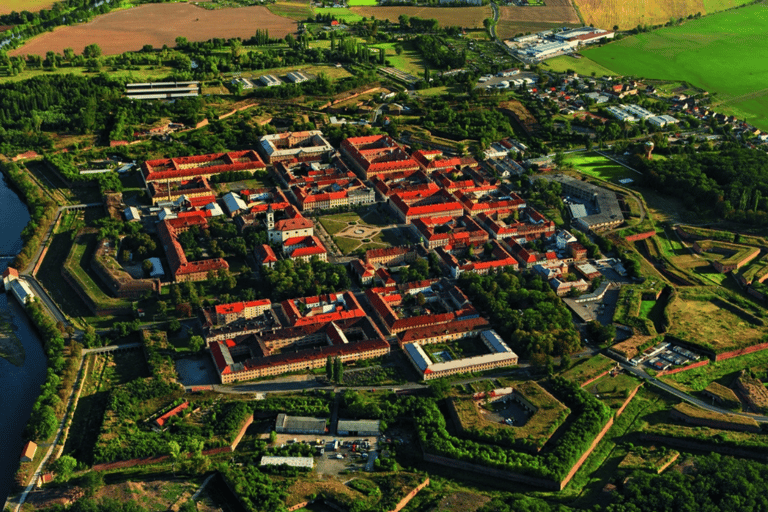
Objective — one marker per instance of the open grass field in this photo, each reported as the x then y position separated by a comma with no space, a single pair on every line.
722,372
582,66
158,24
343,14
355,3
613,391
713,323
598,166
8,6
588,368
697,52
298,10
467,17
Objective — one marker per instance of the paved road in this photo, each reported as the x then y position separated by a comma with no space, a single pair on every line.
49,304
495,20
640,373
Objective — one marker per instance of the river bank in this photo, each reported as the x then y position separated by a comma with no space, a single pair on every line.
25,368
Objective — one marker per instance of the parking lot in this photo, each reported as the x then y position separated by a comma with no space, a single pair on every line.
328,462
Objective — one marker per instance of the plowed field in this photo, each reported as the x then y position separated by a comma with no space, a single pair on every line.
158,24
515,20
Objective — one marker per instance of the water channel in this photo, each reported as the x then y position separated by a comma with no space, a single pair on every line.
19,385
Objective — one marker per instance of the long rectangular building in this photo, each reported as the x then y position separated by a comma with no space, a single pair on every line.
182,168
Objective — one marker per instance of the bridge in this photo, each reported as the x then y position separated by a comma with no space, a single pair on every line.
113,348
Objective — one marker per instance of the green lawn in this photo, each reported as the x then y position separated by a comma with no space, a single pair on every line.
583,66
598,166
341,13
645,308
353,3
699,52
331,226
346,245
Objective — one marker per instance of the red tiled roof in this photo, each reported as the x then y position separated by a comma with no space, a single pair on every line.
176,258
431,331
237,307
218,356
186,167
173,412
265,254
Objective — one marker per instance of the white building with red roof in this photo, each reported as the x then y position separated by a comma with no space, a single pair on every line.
228,313
304,248
293,225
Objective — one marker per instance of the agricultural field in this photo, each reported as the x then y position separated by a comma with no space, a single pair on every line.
713,323
158,24
355,3
9,6
514,20
627,15
467,17
297,10
696,52
598,166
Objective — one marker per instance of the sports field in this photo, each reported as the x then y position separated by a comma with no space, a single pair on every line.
724,54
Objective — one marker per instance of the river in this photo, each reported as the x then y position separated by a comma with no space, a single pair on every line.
20,385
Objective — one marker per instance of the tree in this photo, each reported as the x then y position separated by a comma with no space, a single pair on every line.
64,467
329,368
92,51
272,437
174,325
43,423
174,454
565,362
338,370
196,343
92,481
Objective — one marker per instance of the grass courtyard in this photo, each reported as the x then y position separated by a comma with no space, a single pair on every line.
370,229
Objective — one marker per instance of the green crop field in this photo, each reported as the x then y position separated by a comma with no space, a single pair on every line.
723,53
353,3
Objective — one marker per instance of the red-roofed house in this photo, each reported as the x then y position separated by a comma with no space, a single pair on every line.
495,261
442,231
191,189
376,154
228,313
322,309
162,420
304,248
265,255
486,200
433,160
363,271
390,255
502,225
